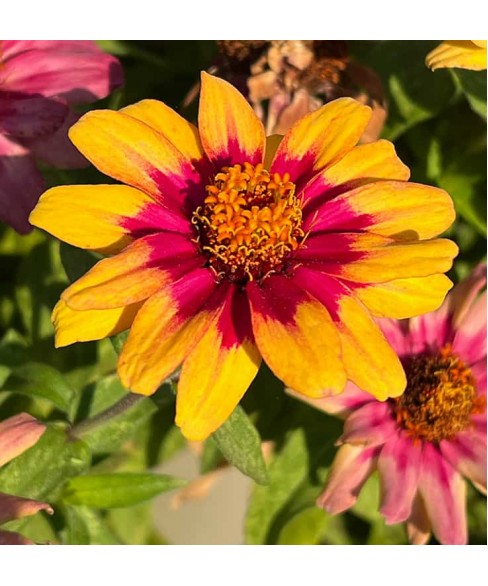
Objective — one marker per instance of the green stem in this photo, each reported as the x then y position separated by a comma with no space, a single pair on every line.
121,406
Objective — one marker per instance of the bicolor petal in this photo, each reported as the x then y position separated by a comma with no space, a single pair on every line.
105,218
399,469
218,371
350,469
285,316
444,494
134,274
320,139
369,258
365,163
418,524
467,454
371,424
132,152
230,131
397,209
72,326
166,329
373,365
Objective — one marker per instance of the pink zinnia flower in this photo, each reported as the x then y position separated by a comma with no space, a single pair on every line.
39,81
424,442
18,434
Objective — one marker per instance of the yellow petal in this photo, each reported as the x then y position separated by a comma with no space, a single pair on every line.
321,138
89,216
93,324
370,361
229,128
403,298
296,337
213,379
463,54
178,131
166,330
376,160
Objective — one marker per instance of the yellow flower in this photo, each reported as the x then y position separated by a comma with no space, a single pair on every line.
226,248
463,54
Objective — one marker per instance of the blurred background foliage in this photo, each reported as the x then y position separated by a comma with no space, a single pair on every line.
96,471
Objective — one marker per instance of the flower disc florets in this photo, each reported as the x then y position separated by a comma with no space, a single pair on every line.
249,223
440,397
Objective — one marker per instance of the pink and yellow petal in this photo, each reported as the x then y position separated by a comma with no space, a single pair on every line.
166,329
350,469
369,258
403,298
444,494
18,434
230,131
163,119
470,337
396,209
286,317
320,139
134,274
365,163
131,152
369,360
72,326
218,371
399,469
463,54
102,217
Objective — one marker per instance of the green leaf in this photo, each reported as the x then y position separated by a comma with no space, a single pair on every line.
465,181
41,380
43,468
286,472
240,444
414,93
108,491
113,429
76,262
86,527
305,528
473,84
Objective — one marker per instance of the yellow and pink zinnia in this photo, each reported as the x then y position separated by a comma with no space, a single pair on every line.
225,247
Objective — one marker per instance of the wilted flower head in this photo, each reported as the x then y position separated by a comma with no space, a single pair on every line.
226,248
39,82
18,434
423,442
284,80
462,54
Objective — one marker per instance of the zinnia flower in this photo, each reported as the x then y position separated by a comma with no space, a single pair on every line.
425,441
222,253
18,434
463,54
39,81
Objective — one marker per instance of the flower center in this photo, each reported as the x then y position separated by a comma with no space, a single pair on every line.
440,397
249,223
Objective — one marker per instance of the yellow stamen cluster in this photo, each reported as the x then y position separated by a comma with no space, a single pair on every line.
440,397
249,222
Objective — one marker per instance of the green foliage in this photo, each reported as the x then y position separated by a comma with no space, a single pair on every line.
109,491
240,444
